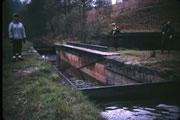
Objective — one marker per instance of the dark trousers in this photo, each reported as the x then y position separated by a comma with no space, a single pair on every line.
166,44
17,47
115,42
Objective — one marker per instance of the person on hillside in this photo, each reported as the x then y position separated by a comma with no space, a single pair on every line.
114,32
17,35
167,37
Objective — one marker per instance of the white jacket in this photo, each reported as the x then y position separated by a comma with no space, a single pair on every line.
16,31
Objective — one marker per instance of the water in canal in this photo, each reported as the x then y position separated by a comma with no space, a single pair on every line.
139,111
135,110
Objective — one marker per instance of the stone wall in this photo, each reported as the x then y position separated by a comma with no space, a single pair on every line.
120,71
111,69
134,40
76,66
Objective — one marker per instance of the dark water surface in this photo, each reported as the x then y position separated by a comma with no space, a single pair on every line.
144,110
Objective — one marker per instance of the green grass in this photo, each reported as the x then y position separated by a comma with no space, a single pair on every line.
169,62
32,90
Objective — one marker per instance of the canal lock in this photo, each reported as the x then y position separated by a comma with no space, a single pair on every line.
116,109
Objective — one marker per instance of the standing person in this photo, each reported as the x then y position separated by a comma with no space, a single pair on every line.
114,32
167,36
17,35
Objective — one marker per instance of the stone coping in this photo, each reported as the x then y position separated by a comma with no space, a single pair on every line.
97,52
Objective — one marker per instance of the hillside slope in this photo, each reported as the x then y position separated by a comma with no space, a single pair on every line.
138,15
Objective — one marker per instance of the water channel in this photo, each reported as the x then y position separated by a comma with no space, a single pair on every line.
141,110
154,109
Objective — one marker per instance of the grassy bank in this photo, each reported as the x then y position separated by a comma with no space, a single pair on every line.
32,91
161,62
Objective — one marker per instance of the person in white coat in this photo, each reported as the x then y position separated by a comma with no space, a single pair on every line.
17,35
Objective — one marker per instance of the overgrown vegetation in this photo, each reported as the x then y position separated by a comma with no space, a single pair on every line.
59,19
32,90
138,15
7,17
